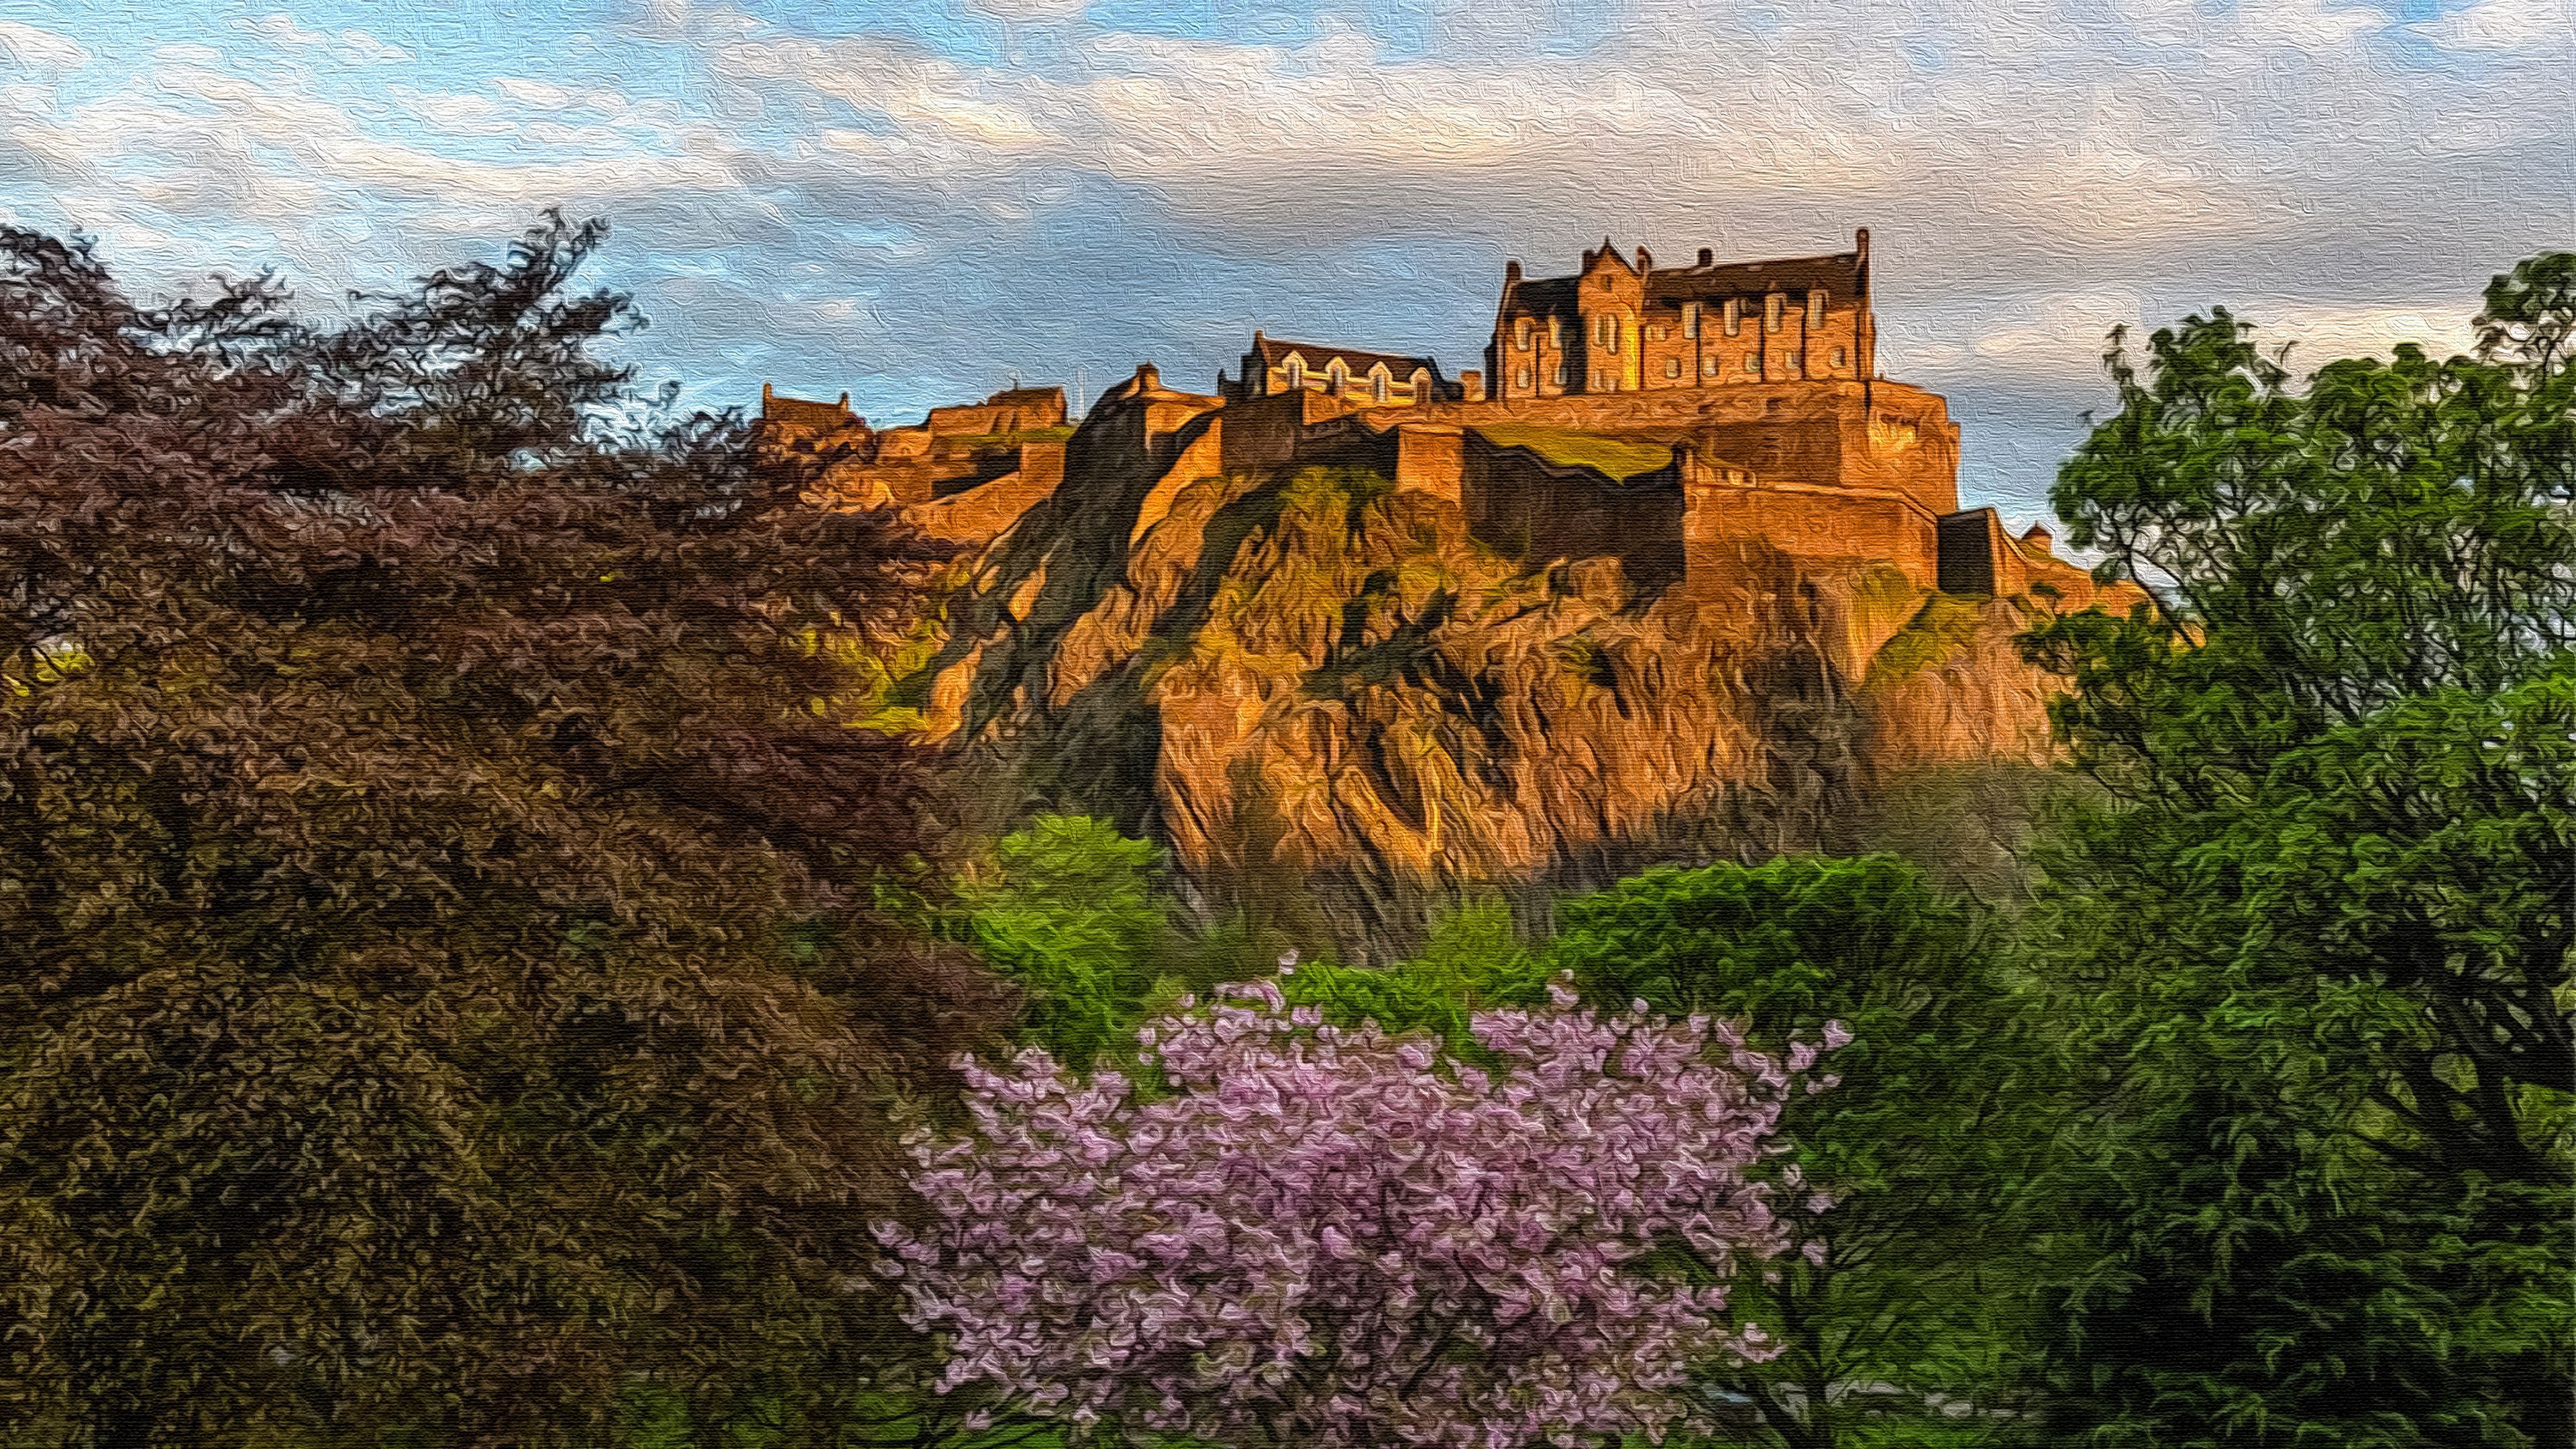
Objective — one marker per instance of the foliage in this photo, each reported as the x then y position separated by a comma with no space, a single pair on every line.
1335,1237
1919,1145
2315,940
435,997
1073,913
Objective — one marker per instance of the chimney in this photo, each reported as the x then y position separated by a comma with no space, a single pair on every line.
1149,378
766,394
1860,244
1707,257
1645,263
845,400
1512,270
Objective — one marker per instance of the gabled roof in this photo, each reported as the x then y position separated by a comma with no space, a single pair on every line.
778,407
1273,351
1839,274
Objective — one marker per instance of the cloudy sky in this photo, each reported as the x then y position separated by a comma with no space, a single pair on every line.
916,200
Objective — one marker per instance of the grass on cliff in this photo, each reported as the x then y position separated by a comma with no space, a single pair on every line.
1946,624
1568,448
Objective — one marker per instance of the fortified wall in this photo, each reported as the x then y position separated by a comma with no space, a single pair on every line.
1664,417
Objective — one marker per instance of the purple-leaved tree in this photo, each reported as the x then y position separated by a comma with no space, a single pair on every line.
1333,1237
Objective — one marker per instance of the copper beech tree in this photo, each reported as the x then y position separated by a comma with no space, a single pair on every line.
440,989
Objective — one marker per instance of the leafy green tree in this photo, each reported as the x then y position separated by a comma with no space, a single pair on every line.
2314,941
434,1002
1895,1336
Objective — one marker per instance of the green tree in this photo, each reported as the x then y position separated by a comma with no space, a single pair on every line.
1896,1336
2314,939
434,1001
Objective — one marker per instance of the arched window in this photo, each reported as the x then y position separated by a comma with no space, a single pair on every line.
1421,384
1377,383
1521,333
1335,376
1523,381
1560,374
1734,316
1815,308
1556,332
1771,307
1690,319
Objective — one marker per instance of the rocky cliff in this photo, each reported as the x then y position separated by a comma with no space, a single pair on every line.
1313,678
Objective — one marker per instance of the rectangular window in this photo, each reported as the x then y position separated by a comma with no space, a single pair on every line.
1690,319
1655,332
1796,361
1753,362
1521,333
1815,309
1771,312
1525,377
1708,367
1556,334
1734,316
1838,357
1672,367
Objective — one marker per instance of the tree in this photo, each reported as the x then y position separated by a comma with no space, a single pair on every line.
2315,942
1898,1333
1333,1237
442,990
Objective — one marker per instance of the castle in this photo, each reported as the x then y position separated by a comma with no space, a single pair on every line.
1665,416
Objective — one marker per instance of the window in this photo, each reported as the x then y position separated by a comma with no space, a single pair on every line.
1522,381
1753,362
1771,312
1690,319
1734,315
1296,372
1708,367
1815,308
1672,367
1838,357
1335,376
1521,333
1795,361
1377,386
1560,374
1654,333
1421,385
1556,334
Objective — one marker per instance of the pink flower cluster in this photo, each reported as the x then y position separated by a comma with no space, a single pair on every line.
1334,1237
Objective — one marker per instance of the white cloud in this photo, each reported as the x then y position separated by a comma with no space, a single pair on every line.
354,46
2504,25
25,45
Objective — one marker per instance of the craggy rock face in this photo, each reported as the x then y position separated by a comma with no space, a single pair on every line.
1318,678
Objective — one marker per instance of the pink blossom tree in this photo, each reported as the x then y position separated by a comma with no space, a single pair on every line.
1333,1237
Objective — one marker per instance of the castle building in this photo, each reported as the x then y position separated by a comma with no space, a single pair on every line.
1368,379
1620,326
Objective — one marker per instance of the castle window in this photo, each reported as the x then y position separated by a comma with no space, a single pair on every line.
1377,387
1521,333
1556,334
1655,333
1672,367
1771,312
1560,374
1690,319
1708,366
1753,362
1296,373
1838,357
1421,385
1734,316
1335,376
1815,308
1523,381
